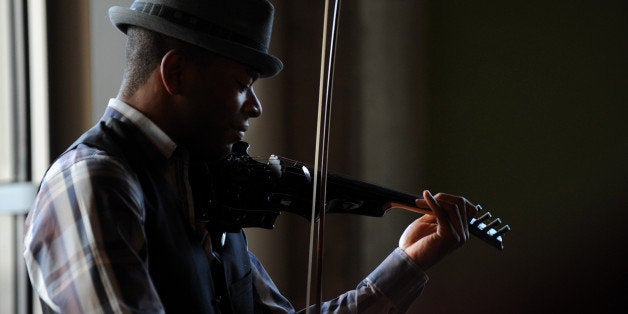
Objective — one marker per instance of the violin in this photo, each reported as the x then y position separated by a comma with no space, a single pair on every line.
242,192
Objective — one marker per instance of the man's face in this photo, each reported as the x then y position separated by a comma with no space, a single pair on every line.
220,102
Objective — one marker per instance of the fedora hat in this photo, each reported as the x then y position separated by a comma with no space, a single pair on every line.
237,29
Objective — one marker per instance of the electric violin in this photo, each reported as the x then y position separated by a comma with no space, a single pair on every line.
245,192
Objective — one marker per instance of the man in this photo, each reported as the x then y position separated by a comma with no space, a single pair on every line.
113,228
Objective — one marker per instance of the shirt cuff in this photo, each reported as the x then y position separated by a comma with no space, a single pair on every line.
399,278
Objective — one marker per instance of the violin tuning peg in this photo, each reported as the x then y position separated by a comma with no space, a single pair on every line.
501,231
477,221
495,222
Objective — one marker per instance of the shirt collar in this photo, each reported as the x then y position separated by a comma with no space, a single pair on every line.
129,114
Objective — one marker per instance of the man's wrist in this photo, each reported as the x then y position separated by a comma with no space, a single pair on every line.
399,278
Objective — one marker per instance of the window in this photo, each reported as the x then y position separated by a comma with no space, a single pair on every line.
23,137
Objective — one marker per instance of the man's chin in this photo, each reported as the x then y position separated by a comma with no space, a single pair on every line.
212,153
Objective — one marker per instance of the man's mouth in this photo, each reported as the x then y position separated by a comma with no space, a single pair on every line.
241,129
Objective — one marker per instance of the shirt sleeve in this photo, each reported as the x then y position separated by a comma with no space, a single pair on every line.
391,288
85,246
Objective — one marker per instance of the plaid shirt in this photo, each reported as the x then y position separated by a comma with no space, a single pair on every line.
73,273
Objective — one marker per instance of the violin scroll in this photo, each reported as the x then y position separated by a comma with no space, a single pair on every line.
486,231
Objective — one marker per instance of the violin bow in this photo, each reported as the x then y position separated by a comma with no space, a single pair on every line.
319,188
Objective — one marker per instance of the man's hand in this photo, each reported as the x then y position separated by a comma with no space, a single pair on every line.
429,238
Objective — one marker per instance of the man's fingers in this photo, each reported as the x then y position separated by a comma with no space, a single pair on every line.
428,219
456,213
441,215
461,212
467,209
458,229
455,217
471,209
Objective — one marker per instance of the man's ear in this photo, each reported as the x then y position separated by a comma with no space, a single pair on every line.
172,69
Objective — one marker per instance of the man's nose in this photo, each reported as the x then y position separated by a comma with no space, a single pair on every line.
253,106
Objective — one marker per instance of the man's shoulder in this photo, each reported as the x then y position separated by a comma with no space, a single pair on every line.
85,160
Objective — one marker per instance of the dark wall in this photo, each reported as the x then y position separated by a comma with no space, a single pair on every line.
524,112
528,115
